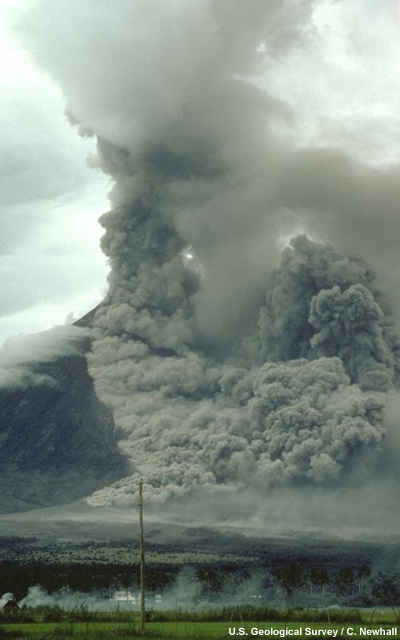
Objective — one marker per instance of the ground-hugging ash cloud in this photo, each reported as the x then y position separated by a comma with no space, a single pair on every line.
188,418
219,375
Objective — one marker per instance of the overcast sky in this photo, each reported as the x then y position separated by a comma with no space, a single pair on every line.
342,83
50,262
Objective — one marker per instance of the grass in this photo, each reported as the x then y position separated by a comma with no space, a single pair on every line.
222,614
53,624
162,631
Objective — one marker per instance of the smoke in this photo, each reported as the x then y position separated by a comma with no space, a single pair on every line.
6,597
313,413
220,376
21,353
65,599
322,304
188,592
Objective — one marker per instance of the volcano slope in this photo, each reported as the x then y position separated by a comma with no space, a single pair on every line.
57,439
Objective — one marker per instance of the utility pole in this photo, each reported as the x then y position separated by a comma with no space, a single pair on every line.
142,564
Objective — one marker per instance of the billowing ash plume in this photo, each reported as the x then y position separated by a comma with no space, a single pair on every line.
308,414
321,304
219,376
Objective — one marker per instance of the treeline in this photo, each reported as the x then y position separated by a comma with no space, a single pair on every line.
105,578
349,585
289,585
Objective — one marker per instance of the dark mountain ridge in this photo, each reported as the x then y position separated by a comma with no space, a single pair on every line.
57,440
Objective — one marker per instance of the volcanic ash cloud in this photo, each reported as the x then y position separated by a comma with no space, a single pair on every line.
310,413
219,375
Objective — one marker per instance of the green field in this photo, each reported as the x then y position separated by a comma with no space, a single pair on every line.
169,630
186,626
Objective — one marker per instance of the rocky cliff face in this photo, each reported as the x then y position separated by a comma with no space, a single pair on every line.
56,439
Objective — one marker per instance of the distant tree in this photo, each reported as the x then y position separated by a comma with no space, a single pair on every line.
364,579
386,589
320,578
344,581
291,577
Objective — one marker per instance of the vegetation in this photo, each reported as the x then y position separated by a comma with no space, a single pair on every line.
222,614
217,583
52,623
313,573
123,552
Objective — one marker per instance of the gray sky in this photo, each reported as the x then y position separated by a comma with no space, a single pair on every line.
342,82
50,261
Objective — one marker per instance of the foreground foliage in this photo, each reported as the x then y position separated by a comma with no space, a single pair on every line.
55,624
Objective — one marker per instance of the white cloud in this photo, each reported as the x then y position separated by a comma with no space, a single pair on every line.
50,260
344,82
